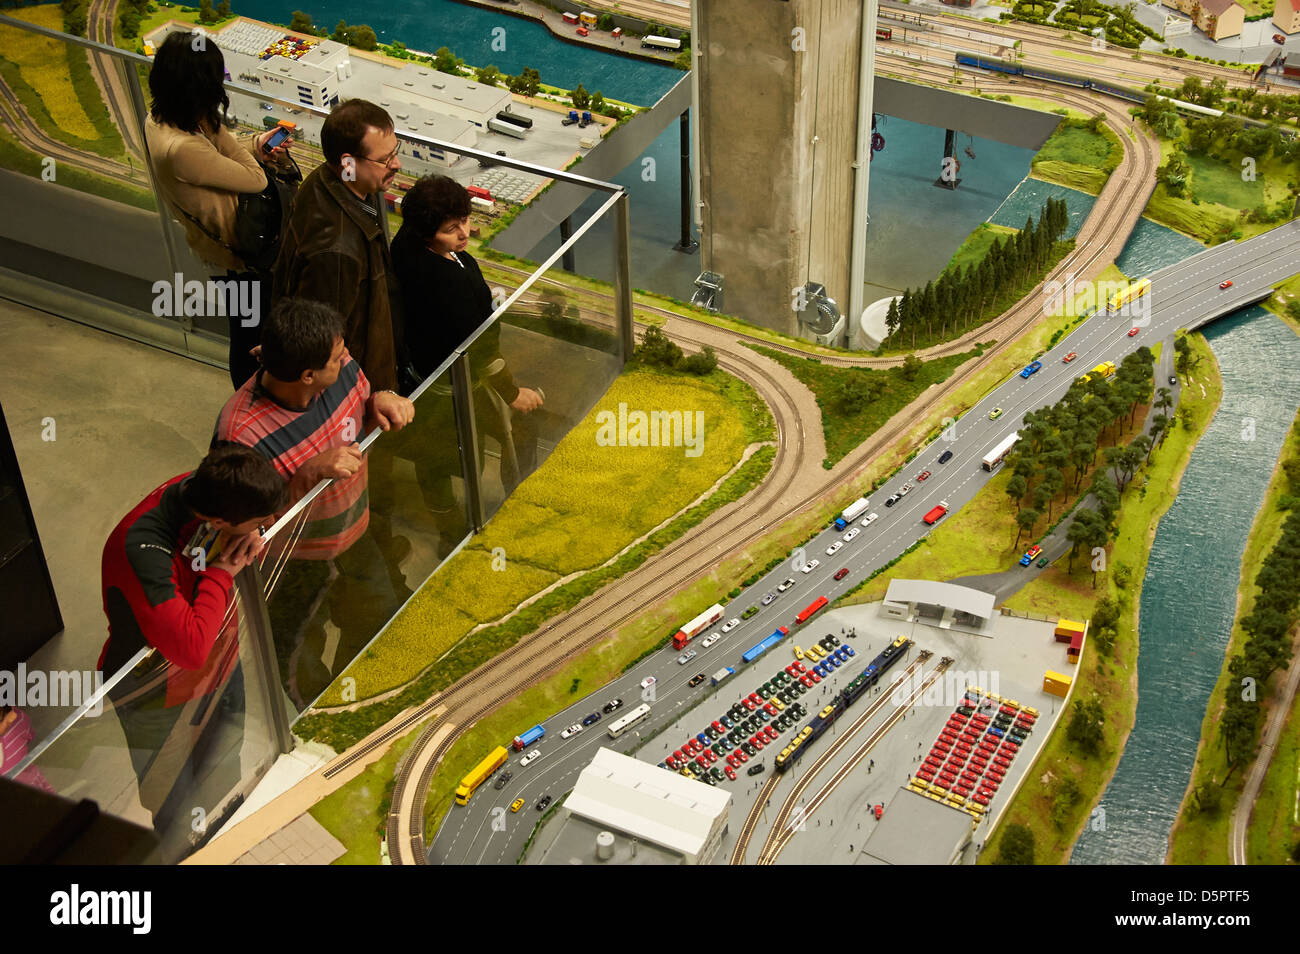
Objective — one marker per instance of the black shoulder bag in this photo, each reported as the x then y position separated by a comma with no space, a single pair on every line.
260,218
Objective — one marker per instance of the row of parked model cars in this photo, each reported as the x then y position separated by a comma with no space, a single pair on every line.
742,732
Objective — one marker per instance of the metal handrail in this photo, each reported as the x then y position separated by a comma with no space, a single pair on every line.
617,199
420,138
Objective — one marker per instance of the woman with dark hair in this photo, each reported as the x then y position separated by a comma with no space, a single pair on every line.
201,169
446,299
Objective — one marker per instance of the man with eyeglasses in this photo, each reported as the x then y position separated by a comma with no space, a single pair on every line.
335,250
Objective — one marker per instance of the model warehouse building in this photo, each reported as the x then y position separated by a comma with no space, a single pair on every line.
625,811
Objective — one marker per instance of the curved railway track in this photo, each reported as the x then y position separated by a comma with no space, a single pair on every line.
731,529
782,829
590,622
25,129
99,27
728,530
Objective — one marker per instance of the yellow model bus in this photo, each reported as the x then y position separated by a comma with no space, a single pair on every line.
588,19
495,759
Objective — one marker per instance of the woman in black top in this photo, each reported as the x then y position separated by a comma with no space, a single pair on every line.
446,299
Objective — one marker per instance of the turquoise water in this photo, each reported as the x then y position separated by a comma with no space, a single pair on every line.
1029,197
915,226
468,32
1190,592
1151,247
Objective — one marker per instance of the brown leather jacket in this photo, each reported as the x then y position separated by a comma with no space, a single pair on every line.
336,252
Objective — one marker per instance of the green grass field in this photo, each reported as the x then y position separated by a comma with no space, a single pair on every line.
1275,826
977,244
1081,57
1076,157
1200,836
1219,182
1114,679
549,529
355,812
845,431
1217,196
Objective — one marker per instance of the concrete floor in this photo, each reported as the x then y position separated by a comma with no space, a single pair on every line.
127,417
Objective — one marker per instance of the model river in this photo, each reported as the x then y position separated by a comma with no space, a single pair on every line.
1190,592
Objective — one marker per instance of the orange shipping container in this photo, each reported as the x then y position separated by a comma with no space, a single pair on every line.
1056,683
1065,628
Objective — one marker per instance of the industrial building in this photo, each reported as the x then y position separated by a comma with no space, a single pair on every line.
302,69
625,811
927,599
449,95
918,830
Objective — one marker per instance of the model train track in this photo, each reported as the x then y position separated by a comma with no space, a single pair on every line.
783,829
1111,211
590,622
1107,216
1058,38
99,27
741,848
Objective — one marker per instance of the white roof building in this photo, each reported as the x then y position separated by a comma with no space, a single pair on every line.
443,93
646,803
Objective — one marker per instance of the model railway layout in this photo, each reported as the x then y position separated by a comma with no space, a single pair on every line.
845,698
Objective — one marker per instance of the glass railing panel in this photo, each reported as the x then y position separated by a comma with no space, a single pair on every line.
338,572
171,749
557,344
71,160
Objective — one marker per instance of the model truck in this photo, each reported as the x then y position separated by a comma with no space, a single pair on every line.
852,512
1105,369
936,514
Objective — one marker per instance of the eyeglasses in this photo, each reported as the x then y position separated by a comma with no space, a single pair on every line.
386,161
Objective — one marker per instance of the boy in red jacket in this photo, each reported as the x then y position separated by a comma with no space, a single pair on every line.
168,574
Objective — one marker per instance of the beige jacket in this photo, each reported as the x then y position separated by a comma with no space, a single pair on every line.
203,174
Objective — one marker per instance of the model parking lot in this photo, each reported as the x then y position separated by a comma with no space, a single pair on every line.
1010,661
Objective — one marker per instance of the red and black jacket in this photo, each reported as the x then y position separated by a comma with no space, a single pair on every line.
154,596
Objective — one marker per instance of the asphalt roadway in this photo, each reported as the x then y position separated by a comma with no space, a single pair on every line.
1184,295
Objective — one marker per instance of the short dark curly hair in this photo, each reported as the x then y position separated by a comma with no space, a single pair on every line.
431,202
347,124
299,336
235,483
185,82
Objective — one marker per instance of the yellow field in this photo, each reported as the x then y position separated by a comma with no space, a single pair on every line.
43,64
583,505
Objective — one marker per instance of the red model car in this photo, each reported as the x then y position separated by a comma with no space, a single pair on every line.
1070,357
1132,332
1227,284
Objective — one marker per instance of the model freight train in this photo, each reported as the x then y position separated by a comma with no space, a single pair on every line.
849,695
1084,82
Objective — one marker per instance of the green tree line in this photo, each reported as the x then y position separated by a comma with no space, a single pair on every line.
1267,648
966,297
1059,444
